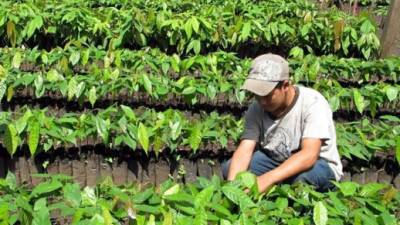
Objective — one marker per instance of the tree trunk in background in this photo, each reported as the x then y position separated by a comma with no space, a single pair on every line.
390,41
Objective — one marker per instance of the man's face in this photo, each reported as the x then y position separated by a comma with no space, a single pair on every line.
275,100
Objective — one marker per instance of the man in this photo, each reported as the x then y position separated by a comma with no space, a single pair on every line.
289,132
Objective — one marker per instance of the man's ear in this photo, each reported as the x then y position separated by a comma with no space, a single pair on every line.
286,84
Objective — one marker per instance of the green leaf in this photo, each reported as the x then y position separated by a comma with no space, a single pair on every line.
129,141
348,188
195,24
142,196
72,88
369,190
11,180
33,135
238,197
92,96
80,89
88,196
3,88
11,33
398,149
203,197
129,113
46,187
85,56
21,123
211,91
16,62
41,216
196,46
168,220
387,219
74,57
245,31
102,130
189,90
53,76
33,25
143,137
358,100
39,85
320,214
72,194
172,190
248,180
11,139
108,219
176,129
334,103
200,217
10,93
188,29
391,93
195,136
147,84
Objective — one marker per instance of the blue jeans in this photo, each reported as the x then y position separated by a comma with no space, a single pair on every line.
319,175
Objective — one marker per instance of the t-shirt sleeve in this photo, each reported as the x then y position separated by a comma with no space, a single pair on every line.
317,120
252,123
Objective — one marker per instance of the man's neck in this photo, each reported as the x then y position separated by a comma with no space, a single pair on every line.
289,98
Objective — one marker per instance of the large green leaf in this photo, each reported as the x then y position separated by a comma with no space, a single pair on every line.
189,90
398,149
108,219
21,123
11,180
53,76
34,24
238,197
33,135
358,100
168,220
16,62
200,217
320,214
72,88
46,187
195,136
391,93
147,84
72,194
92,96
348,188
88,196
203,197
39,89
80,89
3,88
245,31
371,189
143,137
41,214
102,129
188,29
129,113
74,57
11,139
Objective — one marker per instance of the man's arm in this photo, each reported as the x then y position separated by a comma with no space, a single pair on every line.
295,164
241,158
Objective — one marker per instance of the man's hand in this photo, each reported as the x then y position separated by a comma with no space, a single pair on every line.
295,164
241,158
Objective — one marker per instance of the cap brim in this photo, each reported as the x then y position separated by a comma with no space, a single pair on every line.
259,87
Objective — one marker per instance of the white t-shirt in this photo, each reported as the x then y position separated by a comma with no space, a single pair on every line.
310,116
